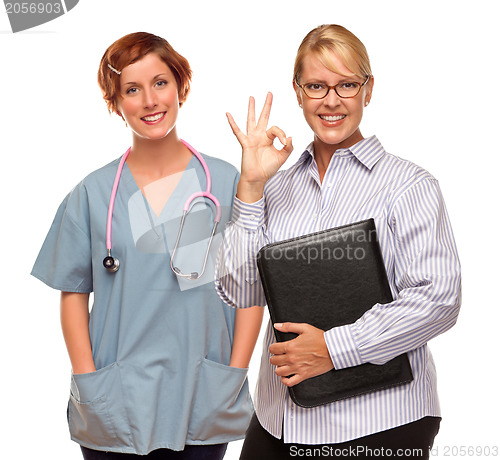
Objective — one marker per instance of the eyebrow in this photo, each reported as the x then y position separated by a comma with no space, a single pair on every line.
154,78
344,80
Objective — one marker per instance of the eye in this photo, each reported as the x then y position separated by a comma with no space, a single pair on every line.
315,86
131,90
161,83
350,85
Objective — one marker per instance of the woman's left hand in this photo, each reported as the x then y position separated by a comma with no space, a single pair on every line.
260,158
304,357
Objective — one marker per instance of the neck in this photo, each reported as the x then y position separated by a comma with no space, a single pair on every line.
158,157
323,152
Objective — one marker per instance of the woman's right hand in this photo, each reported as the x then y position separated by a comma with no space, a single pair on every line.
260,158
75,327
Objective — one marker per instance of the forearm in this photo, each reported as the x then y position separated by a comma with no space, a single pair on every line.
75,327
246,331
237,281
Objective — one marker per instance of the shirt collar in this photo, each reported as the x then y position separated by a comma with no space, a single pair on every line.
367,151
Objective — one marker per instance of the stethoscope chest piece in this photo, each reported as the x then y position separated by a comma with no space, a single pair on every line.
112,264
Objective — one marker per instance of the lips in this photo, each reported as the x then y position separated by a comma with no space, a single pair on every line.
332,118
153,118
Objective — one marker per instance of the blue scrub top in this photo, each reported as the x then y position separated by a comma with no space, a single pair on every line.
161,344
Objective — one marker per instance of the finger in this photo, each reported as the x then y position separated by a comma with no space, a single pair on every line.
266,110
234,127
279,360
251,114
292,380
288,147
275,132
284,371
278,348
297,328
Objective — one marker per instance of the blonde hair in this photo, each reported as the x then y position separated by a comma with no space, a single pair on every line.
328,38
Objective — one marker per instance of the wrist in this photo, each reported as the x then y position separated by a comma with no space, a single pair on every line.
239,363
84,369
250,191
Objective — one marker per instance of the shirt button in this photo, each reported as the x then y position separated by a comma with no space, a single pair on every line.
252,217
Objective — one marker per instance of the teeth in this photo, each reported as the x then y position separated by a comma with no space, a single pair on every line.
154,117
332,118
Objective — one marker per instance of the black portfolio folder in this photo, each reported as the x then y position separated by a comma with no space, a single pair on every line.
329,279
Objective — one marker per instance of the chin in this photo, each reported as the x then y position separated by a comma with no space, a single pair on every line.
339,139
330,139
153,136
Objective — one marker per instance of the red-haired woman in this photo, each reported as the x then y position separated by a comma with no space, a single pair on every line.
152,367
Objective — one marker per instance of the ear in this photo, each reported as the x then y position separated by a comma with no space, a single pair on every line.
298,93
116,108
117,111
182,99
369,90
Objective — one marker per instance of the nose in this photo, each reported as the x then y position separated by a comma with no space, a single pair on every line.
149,98
332,99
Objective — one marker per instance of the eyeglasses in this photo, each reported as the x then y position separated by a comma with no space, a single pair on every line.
344,90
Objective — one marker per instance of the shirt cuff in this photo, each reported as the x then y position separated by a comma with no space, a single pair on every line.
342,347
250,216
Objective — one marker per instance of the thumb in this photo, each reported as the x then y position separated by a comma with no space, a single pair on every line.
297,328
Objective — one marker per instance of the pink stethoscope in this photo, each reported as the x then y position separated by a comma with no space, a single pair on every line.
112,263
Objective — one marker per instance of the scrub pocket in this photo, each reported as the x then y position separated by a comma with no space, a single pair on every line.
96,412
222,405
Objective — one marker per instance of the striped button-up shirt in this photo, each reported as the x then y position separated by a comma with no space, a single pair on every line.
420,256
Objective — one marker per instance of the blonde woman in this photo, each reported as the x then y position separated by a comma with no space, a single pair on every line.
342,178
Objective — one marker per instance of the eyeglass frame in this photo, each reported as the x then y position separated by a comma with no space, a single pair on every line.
334,87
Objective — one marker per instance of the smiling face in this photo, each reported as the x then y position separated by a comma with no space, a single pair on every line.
334,120
149,99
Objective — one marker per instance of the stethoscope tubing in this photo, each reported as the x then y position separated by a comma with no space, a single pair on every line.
113,198
207,193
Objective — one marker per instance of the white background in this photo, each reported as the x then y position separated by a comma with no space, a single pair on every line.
435,101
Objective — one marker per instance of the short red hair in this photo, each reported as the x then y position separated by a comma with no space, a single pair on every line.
131,48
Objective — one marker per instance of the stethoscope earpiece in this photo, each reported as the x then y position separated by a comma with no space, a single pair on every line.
112,264
191,276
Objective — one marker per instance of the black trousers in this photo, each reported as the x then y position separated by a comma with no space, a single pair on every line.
413,440
209,452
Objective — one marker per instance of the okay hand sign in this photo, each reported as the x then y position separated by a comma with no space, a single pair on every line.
260,158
